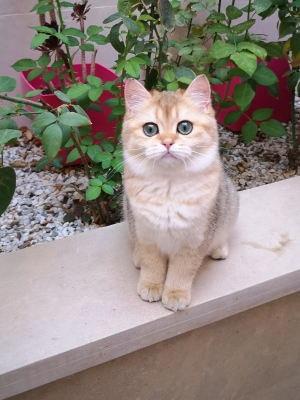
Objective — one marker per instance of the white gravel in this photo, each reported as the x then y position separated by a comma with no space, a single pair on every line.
36,212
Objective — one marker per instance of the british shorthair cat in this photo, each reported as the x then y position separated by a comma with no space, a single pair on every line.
179,203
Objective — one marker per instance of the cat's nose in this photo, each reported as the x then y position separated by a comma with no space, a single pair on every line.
168,143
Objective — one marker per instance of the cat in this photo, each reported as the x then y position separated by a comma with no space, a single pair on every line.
179,203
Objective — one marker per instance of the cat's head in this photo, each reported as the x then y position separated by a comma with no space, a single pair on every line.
173,131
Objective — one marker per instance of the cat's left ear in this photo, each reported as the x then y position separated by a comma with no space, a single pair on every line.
199,91
135,95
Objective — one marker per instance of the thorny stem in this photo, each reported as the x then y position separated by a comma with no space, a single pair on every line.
161,43
83,62
52,12
150,38
225,97
60,76
293,119
26,102
248,17
93,62
42,18
87,171
67,47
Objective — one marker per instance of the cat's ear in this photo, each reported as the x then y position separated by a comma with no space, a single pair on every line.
199,91
135,95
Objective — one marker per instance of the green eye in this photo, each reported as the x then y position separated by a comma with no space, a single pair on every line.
184,127
150,129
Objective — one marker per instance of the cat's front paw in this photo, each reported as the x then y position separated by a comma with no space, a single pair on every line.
176,299
150,291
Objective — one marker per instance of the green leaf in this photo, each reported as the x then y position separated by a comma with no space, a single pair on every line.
7,123
94,30
257,50
81,111
73,41
92,193
8,134
87,47
295,44
34,74
232,117
7,187
66,133
7,84
249,131
221,49
111,102
264,76
57,64
246,61
112,17
66,4
261,5
73,156
48,76
74,119
38,39
273,49
107,145
131,25
44,60
218,28
43,29
172,86
99,39
62,37
41,164
145,17
115,40
5,111
52,140
272,128
95,182
74,32
39,4
62,96
262,114
118,164
93,150
243,95
132,67
33,93
94,80
198,7
233,12
24,65
123,6
244,26
166,14
77,90
43,120
57,162
185,72
274,90
107,189
45,9
95,93
169,76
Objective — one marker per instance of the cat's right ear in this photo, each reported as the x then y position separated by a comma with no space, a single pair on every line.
135,95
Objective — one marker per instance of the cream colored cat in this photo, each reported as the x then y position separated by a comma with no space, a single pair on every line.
179,203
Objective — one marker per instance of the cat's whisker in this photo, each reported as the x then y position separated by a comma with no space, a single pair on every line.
122,162
140,165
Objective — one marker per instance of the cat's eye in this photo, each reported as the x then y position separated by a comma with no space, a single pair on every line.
184,127
150,129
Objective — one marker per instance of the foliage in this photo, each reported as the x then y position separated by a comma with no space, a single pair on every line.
139,33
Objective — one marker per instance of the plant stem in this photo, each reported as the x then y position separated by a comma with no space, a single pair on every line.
83,62
248,17
225,97
93,61
187,35
295,142
150,38
219,5
87,171
42,18
160,53
52,12
26,102
67,47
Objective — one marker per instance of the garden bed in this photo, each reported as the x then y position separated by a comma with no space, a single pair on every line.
41,200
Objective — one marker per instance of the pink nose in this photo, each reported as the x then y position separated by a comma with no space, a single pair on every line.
167,143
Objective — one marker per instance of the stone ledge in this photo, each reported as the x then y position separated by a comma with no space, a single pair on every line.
71,304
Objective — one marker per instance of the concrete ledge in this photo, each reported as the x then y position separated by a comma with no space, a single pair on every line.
71,304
